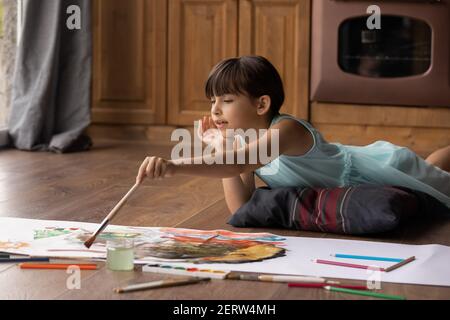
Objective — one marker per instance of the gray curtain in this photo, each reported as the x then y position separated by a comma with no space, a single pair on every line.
51,92
7,58
3,137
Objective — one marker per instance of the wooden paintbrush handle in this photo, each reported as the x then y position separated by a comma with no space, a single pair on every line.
120,204
88,243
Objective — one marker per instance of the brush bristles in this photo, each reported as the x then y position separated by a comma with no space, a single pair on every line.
88,243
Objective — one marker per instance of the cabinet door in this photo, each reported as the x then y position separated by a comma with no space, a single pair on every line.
129,83
280,31
201,33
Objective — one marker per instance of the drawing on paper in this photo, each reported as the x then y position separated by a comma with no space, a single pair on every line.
197,246
151,244
82,235
50,232
218,246
9,245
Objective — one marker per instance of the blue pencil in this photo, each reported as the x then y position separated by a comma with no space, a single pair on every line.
348,256
20,260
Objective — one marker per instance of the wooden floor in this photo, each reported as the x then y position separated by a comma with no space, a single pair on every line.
85,186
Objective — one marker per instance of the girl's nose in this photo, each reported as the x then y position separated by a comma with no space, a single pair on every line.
215,109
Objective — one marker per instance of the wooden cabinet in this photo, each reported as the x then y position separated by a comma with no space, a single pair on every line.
129,81
280,30
201,33
152,57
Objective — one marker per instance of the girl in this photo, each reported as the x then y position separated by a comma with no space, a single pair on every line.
247,93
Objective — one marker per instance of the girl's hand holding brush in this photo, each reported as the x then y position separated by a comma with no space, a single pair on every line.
155,168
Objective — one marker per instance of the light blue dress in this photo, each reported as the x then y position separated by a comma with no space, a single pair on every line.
328,165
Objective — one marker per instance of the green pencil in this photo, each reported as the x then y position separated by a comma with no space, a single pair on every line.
365,293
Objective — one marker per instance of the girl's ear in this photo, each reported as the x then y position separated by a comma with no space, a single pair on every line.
263,106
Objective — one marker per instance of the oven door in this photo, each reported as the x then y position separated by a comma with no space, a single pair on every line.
406,62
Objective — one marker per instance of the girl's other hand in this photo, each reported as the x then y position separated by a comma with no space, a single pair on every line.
155,168
208,132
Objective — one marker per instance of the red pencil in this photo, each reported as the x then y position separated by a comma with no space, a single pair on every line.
322,285
349,265
57,266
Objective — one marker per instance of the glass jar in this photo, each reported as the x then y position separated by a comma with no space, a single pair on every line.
120,254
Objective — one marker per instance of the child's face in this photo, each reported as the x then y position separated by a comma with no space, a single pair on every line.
232,111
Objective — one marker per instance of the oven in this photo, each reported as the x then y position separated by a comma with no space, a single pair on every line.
395,53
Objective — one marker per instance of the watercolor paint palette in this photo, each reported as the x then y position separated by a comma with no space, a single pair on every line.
182,271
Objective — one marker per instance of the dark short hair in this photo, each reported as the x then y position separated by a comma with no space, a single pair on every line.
253,76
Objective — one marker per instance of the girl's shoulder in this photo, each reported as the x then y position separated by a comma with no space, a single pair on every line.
298,133
284,116
287,120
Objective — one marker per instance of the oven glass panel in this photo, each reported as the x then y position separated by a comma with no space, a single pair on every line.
401,48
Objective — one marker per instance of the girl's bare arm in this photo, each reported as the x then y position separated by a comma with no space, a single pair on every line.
294,139
238,190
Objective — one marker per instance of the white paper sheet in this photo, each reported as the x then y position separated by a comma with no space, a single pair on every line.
431,267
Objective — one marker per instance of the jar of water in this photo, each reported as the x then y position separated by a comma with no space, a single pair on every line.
120,254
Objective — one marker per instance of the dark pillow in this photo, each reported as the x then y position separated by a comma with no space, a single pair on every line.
355,210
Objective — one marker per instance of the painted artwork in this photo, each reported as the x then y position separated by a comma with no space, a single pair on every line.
50,232
196,246
219,246
12,245
80,235
103,237
66,239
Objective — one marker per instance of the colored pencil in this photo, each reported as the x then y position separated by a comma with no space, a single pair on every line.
277,278
365,293
323,285
349,256
401,264
159,284
19,260
348,265
57,266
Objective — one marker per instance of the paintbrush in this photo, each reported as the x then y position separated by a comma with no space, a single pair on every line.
88,243
160,284
277,278
210,238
